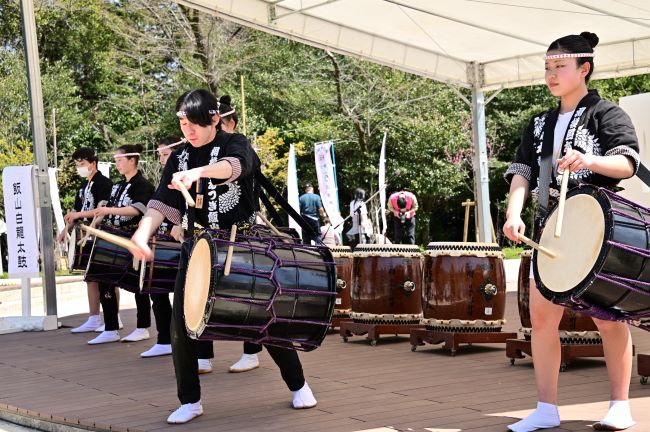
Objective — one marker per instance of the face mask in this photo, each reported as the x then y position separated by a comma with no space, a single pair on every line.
83,171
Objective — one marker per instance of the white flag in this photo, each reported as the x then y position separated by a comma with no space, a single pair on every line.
292,188
327,186
382,183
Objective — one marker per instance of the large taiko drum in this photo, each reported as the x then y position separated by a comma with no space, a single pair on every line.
464,287
158,276
343,258
111,264
574,328
279,291
602,262
386,284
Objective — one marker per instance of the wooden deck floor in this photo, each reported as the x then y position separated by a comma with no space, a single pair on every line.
57,377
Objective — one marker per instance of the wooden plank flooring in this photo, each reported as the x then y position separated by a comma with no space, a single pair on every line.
57,377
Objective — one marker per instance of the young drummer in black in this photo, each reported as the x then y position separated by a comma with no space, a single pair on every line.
95,189
223,165
125,207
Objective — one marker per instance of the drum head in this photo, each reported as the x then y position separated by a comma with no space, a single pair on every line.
72,248
577,250
197,285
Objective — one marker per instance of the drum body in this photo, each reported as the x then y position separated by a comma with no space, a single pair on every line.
78,255
386,283
343,258
602,266
573,325
464,286
278,292
159,275
111,264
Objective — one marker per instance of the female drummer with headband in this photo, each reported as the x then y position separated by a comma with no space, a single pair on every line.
221,168
126,205
604,151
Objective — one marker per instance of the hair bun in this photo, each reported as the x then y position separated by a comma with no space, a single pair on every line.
138,148
591,38
225,99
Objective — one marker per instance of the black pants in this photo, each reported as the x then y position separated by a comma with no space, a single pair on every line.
162,312
307,237
404,232
184,348
108,300
252,348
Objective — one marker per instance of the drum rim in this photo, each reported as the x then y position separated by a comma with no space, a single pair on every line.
577,291
209,304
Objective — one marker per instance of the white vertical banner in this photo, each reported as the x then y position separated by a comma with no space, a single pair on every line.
327,187
382,183
56,201
20,214
292,188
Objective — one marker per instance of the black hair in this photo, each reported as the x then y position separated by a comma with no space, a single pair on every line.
326,220
85,153
168,140
225,105
401,201
585,42
131,148
359,194
197,105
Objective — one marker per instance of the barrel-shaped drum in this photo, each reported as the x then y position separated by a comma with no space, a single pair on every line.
574,327
386,284
343,259
464,287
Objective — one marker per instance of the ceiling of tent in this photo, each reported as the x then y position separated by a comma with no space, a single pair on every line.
489,44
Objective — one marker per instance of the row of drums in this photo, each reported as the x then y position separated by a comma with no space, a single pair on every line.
449,287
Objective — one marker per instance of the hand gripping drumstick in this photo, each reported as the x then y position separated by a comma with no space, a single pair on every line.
560,206
186,194
84,239
233,235
112,238
534,245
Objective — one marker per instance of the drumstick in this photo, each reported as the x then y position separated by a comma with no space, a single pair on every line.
560,206
84,239
186,194
111,238
233,234
136,263
534,245
270,225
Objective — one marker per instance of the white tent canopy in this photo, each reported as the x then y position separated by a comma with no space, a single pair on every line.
478,44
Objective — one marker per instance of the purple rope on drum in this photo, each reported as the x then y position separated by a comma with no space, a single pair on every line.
271,246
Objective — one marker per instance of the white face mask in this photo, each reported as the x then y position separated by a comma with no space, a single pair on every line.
83,171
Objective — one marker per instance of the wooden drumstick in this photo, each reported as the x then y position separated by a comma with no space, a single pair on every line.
560,206
233,235
186,194
111,238
270,225
534,245
84,239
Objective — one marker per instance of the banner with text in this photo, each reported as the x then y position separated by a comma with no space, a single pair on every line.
327,187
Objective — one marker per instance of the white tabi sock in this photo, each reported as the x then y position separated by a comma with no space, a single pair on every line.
545,416
618,417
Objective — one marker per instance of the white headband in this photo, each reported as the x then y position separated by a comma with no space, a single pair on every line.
232,111
182,141
117,155
567,55
181,114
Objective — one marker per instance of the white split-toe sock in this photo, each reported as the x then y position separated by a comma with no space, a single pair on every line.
545,416
120,326
185,413
91,324
137,335
205,366
157,350
618,417
246,362
304,398
105,337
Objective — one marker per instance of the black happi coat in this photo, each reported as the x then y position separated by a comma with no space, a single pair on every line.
598,127
92,192
225,201
133,193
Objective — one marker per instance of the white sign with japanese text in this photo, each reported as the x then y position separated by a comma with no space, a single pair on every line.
20,214
327,186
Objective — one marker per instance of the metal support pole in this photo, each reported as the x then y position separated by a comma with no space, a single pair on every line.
481,179
40,154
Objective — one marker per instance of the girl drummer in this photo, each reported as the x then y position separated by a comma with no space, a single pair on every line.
224,165
125,207
604,151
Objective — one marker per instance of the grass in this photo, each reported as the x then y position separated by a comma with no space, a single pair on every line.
512,252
